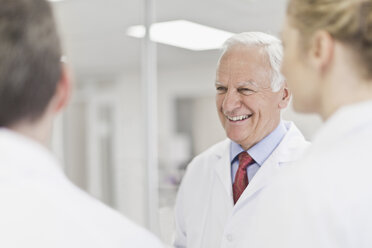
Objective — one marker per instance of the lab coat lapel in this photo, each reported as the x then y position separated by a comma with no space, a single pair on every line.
287,151
222,167
262,177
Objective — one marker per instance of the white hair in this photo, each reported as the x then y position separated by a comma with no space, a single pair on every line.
269,43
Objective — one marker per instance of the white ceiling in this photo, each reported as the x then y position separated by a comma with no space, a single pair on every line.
96,43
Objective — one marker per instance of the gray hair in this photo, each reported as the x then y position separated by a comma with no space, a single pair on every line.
271,45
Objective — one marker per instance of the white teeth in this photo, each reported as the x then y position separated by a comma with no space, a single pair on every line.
238,118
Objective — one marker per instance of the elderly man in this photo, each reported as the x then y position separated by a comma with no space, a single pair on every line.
217,194
39,206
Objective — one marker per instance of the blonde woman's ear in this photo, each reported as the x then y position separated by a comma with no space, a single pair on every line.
321,50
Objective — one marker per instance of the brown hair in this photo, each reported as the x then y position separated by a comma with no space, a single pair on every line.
30,55
348,21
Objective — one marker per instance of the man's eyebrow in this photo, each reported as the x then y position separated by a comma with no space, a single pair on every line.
218,83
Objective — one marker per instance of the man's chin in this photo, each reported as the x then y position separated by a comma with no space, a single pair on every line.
236,138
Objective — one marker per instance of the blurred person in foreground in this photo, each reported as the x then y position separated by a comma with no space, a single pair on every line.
39,206
217,194
326,200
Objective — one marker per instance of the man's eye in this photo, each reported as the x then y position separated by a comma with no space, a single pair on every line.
246,91
221,89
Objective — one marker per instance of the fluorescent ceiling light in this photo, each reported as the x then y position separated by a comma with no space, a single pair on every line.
185,34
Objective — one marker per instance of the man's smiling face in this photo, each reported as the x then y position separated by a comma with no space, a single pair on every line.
247,107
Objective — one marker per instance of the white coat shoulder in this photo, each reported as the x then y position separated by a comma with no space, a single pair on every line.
41,208
324,201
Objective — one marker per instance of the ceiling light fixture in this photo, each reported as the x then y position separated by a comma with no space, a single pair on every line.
184,34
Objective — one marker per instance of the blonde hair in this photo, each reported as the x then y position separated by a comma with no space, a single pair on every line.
348,21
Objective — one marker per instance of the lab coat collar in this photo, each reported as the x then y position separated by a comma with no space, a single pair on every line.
287,151
20,154
222,167
345,121
290,149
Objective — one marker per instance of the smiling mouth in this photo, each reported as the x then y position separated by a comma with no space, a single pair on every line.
238,118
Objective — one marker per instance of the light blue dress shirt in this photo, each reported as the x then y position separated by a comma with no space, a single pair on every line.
259,152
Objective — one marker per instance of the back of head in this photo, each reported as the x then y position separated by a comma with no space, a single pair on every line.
269,43
348,21
30,59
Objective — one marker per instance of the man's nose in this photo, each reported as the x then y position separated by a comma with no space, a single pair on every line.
231,101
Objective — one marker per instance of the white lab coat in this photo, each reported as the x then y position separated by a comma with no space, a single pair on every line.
325,201
205,214
41,208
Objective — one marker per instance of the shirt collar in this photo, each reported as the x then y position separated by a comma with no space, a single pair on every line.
262,150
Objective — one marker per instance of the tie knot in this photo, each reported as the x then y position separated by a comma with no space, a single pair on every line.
244,160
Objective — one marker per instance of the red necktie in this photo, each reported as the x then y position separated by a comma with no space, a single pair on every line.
241,178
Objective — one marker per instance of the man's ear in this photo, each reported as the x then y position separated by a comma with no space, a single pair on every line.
285,96
63,89
321,50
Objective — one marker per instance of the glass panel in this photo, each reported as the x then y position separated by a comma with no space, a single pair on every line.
103,126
